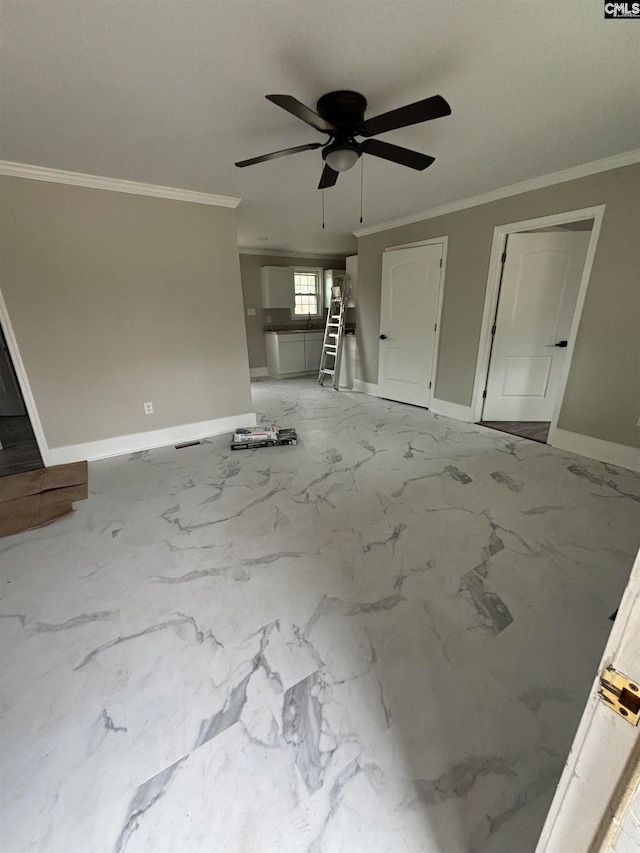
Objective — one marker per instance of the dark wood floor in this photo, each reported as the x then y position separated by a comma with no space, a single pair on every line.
20,449
535,430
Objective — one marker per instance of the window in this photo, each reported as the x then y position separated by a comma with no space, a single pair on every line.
307,285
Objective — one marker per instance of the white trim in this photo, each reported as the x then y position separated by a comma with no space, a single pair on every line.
148,440
603,748
23,381
618,161
451,410
577,314
257,372
59,176
417,244
275,253
595,448
500,234
365,387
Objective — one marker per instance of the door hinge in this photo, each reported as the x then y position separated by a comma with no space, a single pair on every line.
429,385
621,694
435,328
493,330
484,394
504,256
440,263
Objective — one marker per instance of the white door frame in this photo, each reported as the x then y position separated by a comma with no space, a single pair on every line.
444,241
500,234
23,382
590,798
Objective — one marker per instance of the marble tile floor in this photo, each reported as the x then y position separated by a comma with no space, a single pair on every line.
380,639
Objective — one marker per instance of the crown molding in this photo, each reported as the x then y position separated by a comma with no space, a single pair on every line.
274,253
77,179
627,158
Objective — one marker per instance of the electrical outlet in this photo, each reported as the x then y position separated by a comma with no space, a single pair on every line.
251,312
148,408
268,318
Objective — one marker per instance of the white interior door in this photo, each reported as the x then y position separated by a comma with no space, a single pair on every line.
408,315
538,294
10,397
597,785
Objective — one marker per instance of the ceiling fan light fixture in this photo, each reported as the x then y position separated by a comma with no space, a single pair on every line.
341,157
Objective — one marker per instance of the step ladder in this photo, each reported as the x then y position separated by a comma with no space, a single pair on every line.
331,356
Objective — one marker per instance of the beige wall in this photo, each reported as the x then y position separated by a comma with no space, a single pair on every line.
252,295
603,391
118,299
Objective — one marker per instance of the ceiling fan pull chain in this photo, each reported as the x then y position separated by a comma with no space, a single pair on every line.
361,184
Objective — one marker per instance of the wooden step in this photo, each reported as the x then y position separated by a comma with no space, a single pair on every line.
37,497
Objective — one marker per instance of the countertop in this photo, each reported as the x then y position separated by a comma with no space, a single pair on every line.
290,331
348,332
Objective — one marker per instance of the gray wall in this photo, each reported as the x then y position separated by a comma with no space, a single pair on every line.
118,299
602,399
252,295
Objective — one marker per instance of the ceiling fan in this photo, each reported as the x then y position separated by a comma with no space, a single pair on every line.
341,116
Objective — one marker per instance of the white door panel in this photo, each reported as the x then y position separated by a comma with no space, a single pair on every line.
408,314
403,365
538,294
526,375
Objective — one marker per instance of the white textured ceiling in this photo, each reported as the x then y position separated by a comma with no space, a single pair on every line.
172,93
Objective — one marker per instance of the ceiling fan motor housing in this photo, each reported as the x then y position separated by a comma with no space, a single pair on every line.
343,109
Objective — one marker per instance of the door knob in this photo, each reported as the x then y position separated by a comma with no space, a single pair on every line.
383,337
561,344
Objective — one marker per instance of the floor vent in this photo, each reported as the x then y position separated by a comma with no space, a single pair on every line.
187,444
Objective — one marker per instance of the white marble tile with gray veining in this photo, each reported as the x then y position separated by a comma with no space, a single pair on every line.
379,639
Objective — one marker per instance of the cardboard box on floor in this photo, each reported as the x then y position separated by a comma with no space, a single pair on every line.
37,497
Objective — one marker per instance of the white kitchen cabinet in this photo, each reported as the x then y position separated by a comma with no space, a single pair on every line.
352,271
277,287
313,350
329,276
291,356
348,362
351,265
293,353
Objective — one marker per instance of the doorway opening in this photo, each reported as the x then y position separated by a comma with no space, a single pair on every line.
19,451
537,285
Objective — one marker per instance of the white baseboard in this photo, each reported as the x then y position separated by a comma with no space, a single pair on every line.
147,440
365,387
595,448
451,410
256,372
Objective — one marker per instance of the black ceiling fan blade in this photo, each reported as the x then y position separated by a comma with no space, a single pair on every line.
403,156
275,154
297,109
430,108
328,178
